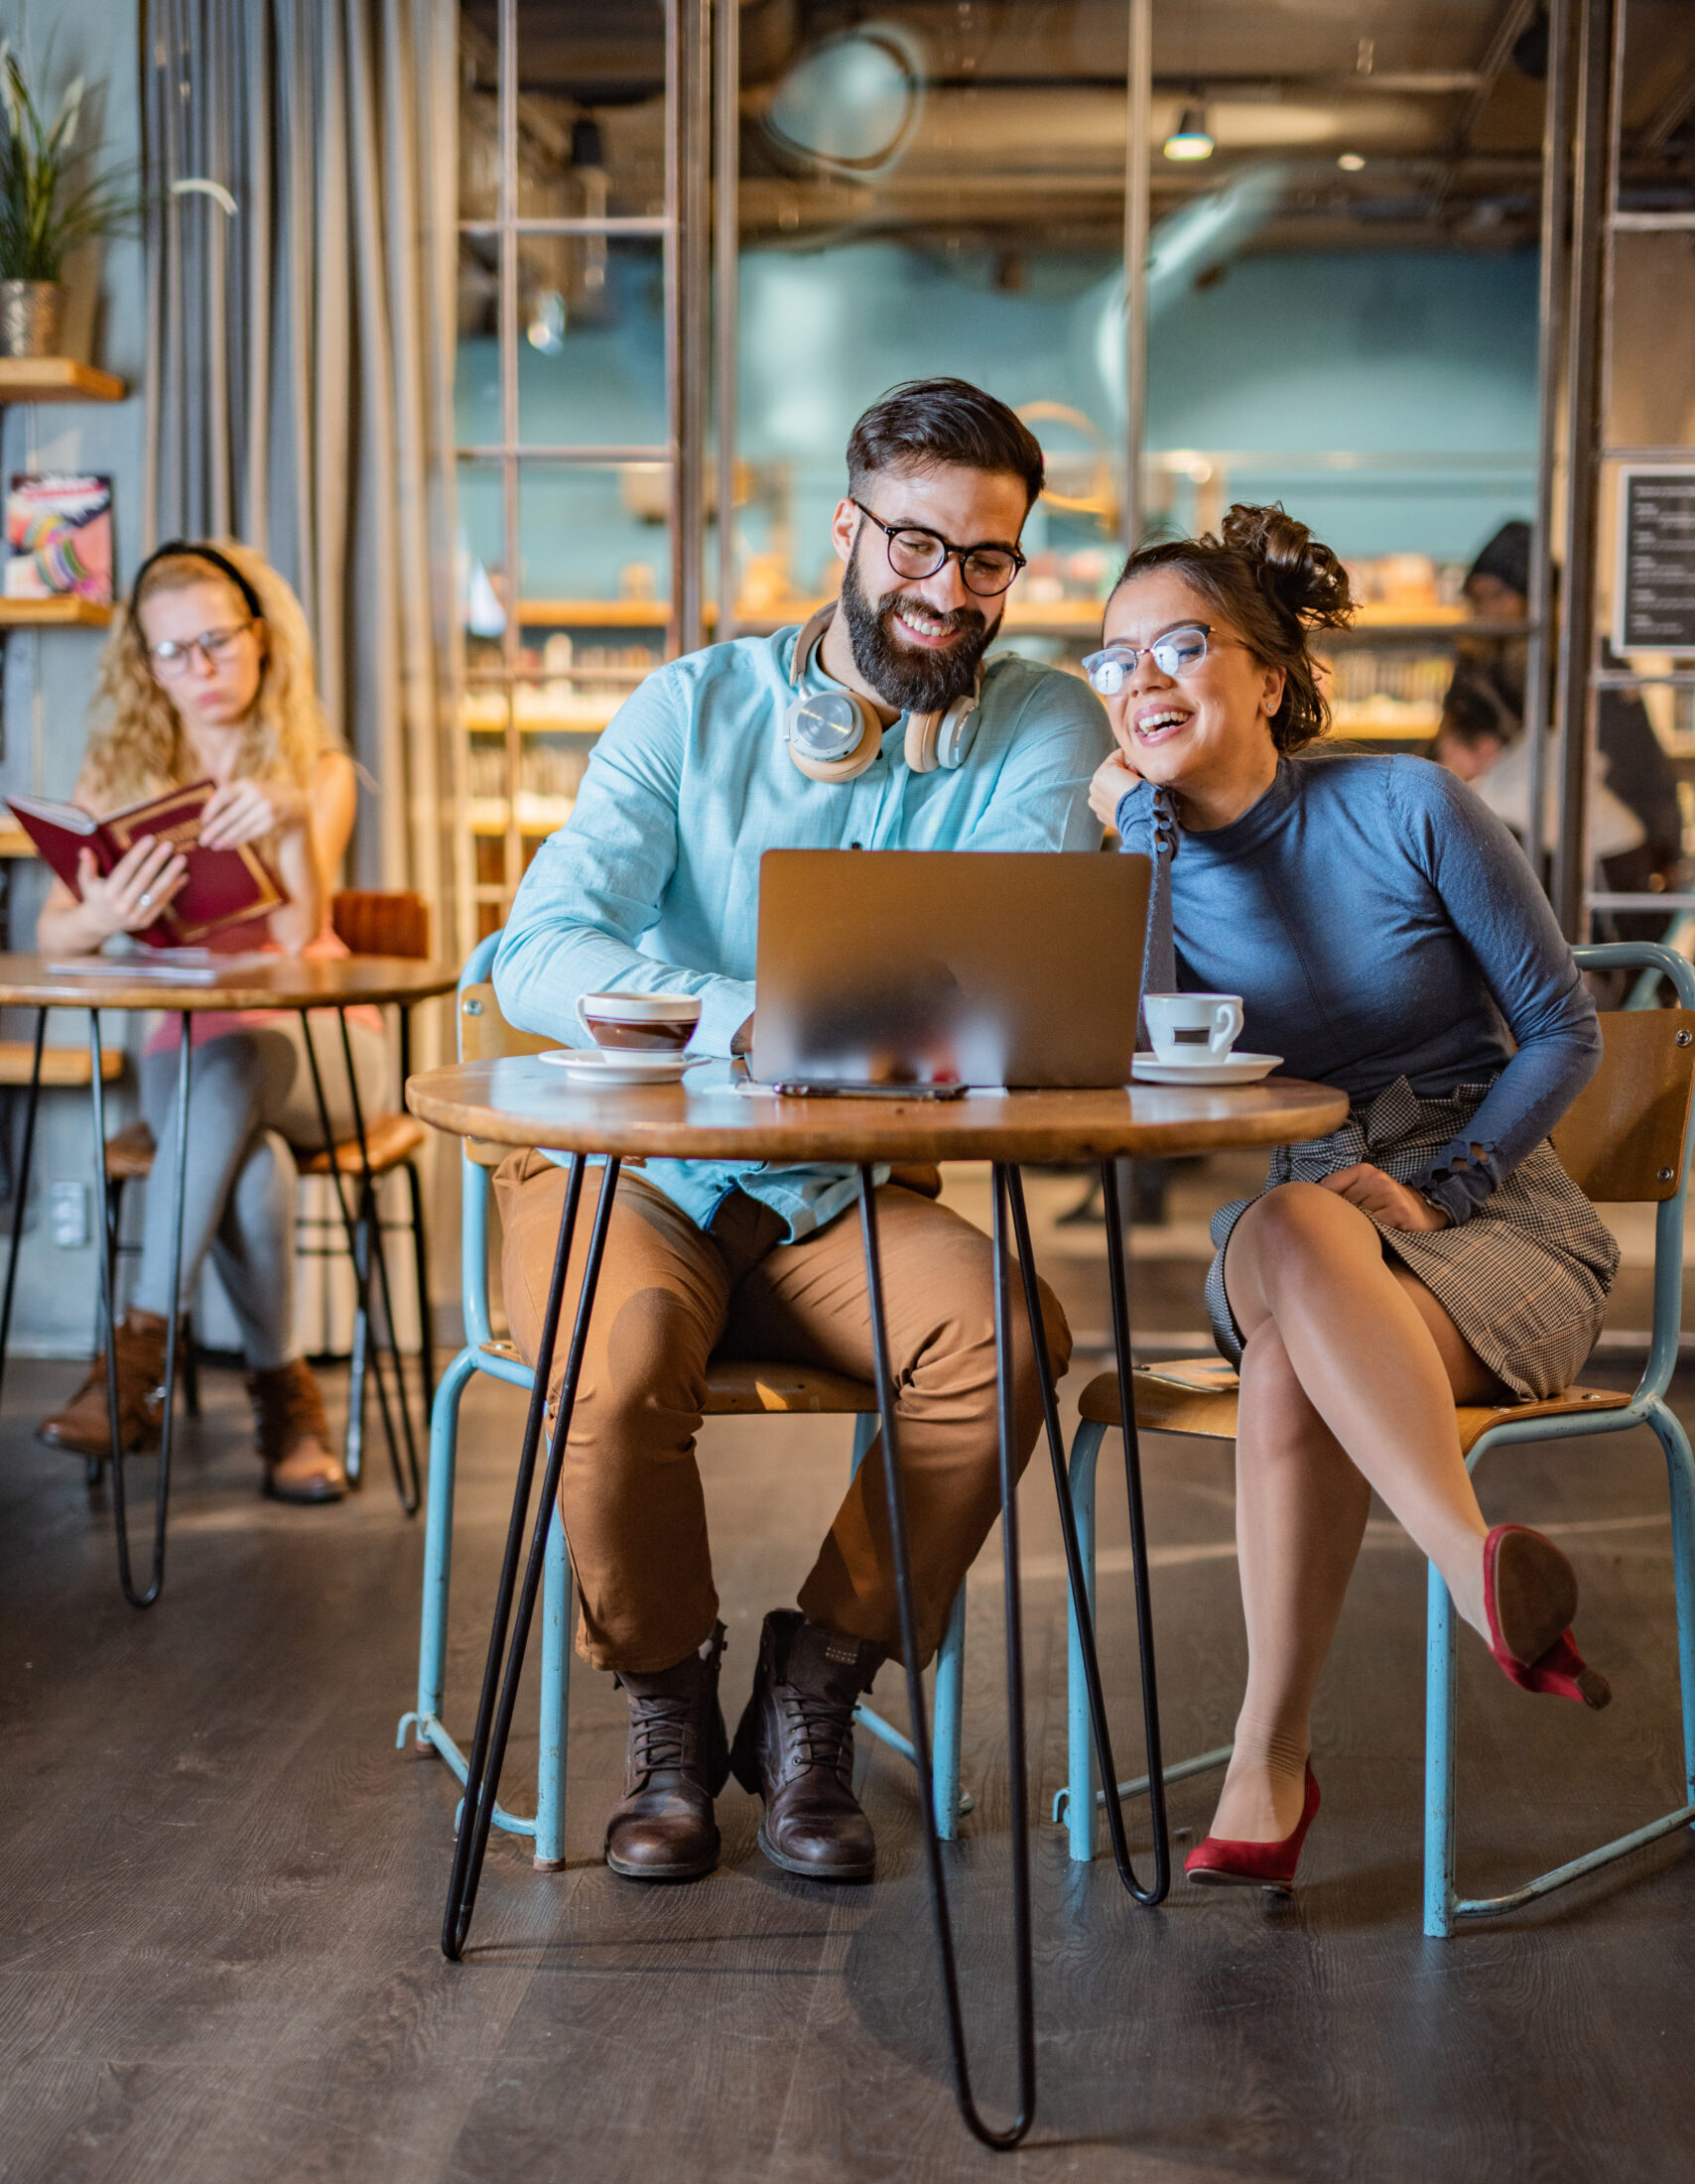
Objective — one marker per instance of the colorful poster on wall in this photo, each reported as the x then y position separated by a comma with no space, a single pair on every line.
59,538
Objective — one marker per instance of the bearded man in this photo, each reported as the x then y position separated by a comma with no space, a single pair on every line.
653,886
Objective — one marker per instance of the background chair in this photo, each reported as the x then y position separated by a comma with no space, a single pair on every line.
369,923
1626,1138
735,1388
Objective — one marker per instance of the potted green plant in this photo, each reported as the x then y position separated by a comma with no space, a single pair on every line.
51,203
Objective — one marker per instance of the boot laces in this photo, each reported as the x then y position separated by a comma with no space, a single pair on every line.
661,1733
822,1729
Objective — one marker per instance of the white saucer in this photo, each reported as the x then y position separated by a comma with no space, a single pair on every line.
623,1064
1232,1069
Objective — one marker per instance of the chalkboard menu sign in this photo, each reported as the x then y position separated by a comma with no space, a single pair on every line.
1653,606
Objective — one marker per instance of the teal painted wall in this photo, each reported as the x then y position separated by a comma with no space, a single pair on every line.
1387,354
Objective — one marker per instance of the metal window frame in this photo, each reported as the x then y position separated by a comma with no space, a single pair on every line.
686,255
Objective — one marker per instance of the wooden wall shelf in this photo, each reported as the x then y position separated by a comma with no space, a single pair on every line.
55,379
52,614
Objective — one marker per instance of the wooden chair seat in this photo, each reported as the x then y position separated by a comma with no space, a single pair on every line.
392,1139
129,1154
61,1065
1198,1397
738,1389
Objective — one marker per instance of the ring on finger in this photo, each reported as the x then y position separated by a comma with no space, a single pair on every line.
144,901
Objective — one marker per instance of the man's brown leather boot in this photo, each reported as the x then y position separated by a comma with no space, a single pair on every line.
82,1426
677,1762
795,1747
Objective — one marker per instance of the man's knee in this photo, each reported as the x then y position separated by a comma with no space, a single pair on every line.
954,1321
647,1380
1055,1330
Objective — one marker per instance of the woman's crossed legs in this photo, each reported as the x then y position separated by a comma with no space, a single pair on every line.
1349,1375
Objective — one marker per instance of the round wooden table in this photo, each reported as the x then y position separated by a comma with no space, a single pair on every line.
526,1101
279,981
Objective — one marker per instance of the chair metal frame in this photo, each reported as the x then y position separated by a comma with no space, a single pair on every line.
1444,1908
486,1352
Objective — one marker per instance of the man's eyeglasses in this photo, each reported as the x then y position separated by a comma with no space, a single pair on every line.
171,657
1177,652
986,570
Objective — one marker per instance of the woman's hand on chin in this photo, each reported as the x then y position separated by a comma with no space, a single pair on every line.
1112,784
1394,1204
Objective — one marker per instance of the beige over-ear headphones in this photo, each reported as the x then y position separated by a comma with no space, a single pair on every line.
835,734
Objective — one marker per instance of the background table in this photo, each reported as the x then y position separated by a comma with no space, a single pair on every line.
280,982
525,1101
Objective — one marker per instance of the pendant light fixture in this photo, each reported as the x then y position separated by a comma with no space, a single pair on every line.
1189,140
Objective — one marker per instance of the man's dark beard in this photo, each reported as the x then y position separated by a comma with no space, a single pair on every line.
900,674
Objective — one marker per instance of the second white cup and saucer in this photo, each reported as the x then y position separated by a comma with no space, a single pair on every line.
1194,1037
639,1039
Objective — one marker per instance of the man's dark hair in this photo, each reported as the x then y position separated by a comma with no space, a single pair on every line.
927,421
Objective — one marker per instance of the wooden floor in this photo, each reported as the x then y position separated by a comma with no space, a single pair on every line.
220,1885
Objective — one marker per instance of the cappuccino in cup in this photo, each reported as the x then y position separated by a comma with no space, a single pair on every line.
659,1023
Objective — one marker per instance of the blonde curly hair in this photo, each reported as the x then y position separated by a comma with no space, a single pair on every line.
137,744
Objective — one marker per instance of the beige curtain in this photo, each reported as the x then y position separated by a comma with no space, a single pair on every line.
302,163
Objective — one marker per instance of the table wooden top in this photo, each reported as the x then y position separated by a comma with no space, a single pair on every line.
281,981
524,1099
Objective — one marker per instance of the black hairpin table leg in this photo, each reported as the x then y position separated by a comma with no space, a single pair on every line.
505,1664
410,1495
1138,1540
405,1486
920,1732
21,1188
179,1184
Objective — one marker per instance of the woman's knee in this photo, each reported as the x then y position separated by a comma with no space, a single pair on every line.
1294,1223
266,1183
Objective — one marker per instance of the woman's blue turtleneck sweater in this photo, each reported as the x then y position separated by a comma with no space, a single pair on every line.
1379,922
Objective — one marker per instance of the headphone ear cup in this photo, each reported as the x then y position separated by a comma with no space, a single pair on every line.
922,730
955,732
858,759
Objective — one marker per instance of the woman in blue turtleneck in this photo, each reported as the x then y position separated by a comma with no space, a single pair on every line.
1387,937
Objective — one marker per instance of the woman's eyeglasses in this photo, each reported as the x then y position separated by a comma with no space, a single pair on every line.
986,570
1178,652
171,657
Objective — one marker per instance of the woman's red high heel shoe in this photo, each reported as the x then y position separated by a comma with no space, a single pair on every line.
1529,1599
1220,1863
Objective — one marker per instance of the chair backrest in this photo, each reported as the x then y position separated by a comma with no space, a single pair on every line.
484,1036
1621,1140
375,922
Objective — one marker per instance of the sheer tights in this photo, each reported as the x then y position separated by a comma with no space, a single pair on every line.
1349,1375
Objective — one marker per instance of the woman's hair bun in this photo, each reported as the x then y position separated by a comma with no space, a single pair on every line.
1299,571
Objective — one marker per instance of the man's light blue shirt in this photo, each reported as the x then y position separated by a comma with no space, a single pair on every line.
653,884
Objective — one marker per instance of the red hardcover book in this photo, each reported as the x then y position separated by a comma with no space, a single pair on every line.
222,885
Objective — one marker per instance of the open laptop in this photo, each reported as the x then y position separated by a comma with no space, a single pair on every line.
928,970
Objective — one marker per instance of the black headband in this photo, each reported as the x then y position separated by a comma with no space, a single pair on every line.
220,562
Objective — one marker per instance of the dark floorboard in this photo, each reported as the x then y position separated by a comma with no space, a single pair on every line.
221,1886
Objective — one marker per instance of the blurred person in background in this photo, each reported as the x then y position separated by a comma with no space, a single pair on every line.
1635,825
209,677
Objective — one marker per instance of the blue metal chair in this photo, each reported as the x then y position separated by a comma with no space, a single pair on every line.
1626,1138
734,1390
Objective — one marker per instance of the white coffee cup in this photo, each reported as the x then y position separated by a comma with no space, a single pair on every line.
656,1023
1192,1027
